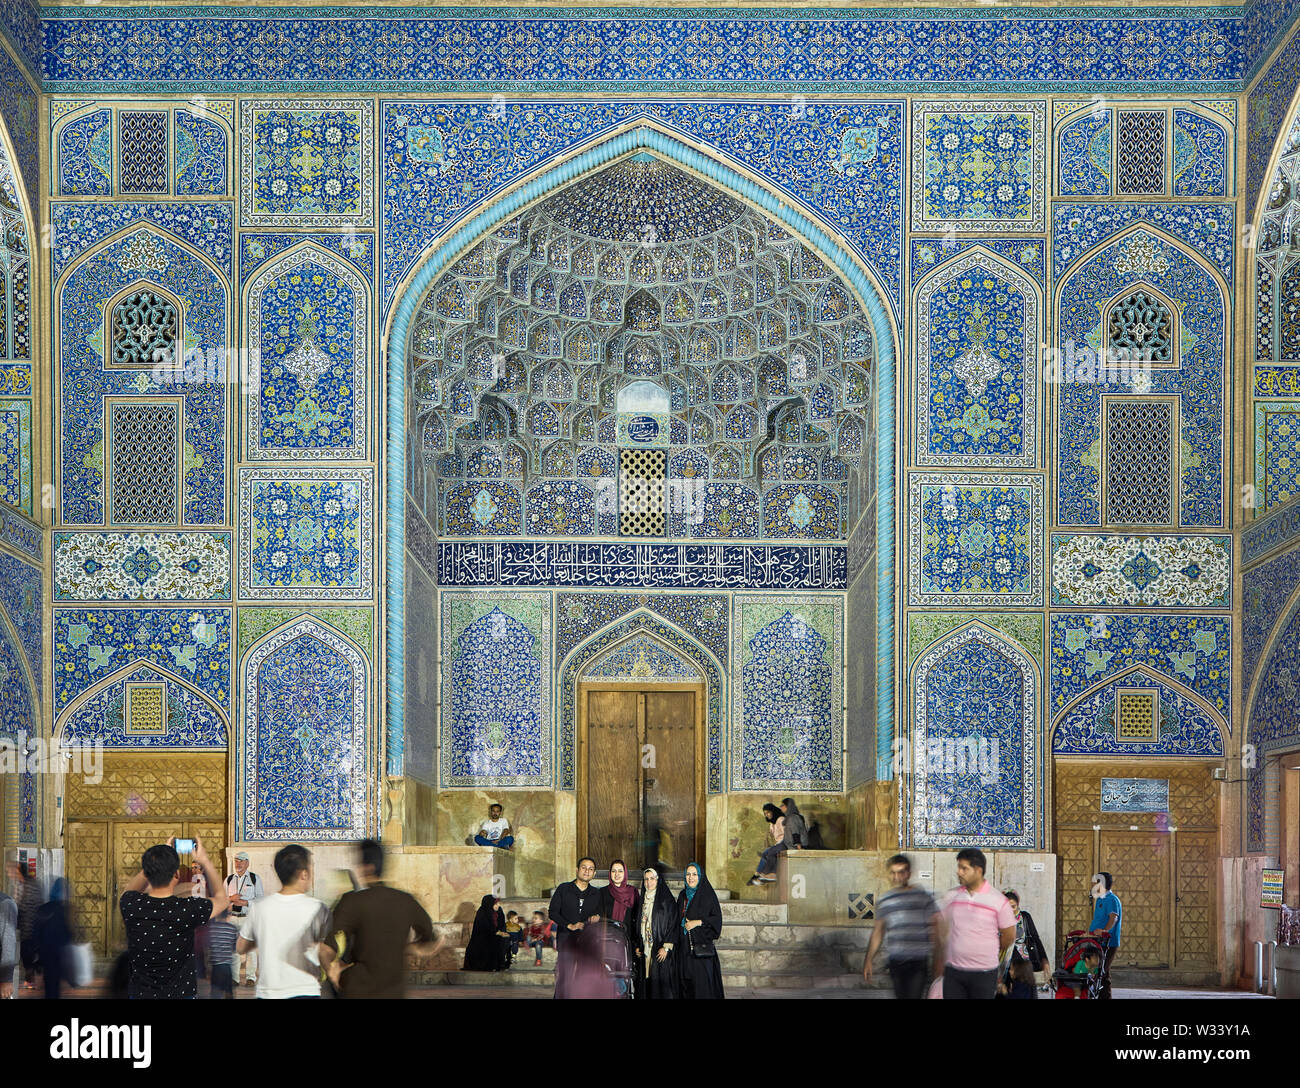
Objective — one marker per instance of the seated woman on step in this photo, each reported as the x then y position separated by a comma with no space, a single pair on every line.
766,871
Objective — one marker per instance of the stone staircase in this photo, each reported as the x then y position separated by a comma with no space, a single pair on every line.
759,949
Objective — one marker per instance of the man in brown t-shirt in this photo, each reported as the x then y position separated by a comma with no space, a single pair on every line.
377,923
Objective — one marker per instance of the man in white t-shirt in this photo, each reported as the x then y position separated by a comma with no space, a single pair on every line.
286,928
495,830
244,889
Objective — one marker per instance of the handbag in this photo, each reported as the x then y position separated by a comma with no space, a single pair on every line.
80,965
702,947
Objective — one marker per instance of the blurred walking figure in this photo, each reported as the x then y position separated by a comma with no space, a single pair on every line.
244,888
654,925
377,923
766,871
160,926
907,922
981,927
288,928
573,904
53,934
8,945
27,895
220,937
699,973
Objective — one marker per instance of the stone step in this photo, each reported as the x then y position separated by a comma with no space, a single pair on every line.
745,933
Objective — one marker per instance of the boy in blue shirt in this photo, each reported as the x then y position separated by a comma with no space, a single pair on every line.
1107,917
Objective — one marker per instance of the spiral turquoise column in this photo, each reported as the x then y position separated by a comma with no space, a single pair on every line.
728,179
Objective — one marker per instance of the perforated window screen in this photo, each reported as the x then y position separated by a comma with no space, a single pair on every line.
1136,715
146,710
1139,462
1141,152
143,144
641,508
145,328
144,477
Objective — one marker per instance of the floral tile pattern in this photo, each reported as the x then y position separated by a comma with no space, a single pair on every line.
191,721
16,453
21,600
1277,452
641,658
979,166
105,566
306,533
306,163
1089,727
976,540
1083,155
1169,571
306,752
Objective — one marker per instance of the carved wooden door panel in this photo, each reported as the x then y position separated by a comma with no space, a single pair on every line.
1140,864
613,777
670,785
129,842
1195,896
1074,848
84,863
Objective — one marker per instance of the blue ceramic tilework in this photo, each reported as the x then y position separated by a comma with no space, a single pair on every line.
1141,256
1088,728
18,716
1208,229
702,616
16,453
859,197
804,511
91,644
23,534
677,642
1255,809
661,566
20,598
1163,571
1029,254
496,690
1135,795
192,722
20,22
1263,534
482,508
306,754
78,226
1265,589
106,566
1200,155
18,108
976,540
787,721
560,508
976,334
1277,452
1266,113
715,511
86,155
1083,155
975,736
306,163
1273,381
641,658
1274,715
649,49
154,258
201,155
306,533
256,249
860,679
308,342
1195,651
979,166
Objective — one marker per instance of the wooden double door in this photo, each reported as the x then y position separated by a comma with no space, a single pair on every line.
641,780
141,800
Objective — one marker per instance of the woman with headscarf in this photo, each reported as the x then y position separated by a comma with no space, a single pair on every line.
699,974
655,927
796,830
616,903
766,871
489,943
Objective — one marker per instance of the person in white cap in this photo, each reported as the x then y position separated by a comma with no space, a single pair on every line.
243,887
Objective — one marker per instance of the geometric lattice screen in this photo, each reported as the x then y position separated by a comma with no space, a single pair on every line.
1139,462
1137,715
1141,152
144,330
641,475
143,142
144,474
146,710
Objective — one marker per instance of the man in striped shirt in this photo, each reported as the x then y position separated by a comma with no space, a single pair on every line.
981,927
908,922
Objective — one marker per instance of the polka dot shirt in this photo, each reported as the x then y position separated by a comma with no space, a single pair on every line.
160,939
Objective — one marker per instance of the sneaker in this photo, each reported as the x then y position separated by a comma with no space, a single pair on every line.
755,880
767,880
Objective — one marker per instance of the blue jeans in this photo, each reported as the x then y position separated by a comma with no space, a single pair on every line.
767,863
537,946
504,843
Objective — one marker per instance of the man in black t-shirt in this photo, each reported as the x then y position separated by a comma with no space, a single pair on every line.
160,926
572,906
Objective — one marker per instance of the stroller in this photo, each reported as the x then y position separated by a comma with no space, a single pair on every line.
611,944
1068,985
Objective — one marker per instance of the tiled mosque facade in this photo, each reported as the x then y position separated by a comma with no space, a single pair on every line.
373,381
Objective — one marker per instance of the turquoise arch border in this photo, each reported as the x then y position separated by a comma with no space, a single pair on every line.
640,138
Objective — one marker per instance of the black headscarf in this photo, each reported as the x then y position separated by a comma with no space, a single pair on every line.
483,953
703,904
664,922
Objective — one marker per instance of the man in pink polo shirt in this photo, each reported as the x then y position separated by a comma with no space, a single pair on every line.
981,927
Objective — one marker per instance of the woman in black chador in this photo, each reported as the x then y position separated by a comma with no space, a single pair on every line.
699,914
656,927
489,943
